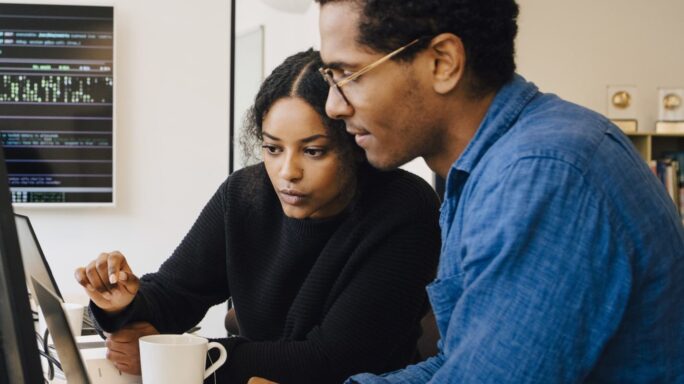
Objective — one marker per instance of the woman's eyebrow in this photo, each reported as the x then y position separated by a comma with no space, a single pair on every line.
312,138
304,140
270,136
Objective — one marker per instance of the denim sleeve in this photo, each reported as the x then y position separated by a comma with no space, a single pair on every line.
413,374
538,278
545,275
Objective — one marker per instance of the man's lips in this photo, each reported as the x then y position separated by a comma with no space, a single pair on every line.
357,131
360,135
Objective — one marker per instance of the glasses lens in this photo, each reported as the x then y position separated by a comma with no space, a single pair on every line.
327,75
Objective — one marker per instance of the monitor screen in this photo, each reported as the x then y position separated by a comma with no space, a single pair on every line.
19,361
57,102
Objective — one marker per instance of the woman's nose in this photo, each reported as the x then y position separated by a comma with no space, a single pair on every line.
291,169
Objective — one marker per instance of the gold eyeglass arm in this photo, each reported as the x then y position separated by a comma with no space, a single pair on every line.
371,66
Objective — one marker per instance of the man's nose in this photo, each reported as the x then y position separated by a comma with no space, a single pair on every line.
336,107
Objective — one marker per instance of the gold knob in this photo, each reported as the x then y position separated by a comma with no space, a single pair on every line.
672,101
621,99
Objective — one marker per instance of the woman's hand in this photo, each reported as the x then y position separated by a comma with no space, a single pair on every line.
123,348
109,282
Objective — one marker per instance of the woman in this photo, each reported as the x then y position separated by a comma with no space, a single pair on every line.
325,258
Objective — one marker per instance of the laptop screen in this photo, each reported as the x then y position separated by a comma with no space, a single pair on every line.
34,261
57,323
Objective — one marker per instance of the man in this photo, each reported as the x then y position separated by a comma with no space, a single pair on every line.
562,256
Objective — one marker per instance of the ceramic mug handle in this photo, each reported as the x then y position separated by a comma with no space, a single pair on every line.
221,359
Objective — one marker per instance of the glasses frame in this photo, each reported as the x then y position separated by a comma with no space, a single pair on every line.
327,72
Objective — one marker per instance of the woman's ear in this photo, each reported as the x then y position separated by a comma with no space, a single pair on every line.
447,55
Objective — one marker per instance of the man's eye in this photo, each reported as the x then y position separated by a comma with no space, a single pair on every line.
339,74
347,74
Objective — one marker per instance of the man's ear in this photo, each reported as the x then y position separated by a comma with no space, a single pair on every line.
447,55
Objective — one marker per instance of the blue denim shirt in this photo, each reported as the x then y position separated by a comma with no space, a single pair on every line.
562,256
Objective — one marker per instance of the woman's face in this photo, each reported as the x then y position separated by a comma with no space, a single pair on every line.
304,167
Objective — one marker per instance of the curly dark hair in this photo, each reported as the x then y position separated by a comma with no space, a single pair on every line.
298,76
486,27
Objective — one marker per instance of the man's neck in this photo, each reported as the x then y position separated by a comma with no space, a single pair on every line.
464,117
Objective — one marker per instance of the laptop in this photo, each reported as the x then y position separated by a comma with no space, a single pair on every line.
77,370
36,266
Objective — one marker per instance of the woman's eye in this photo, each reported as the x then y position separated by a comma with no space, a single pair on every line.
315,152
271,149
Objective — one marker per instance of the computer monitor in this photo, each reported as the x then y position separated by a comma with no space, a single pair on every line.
57,102
19,358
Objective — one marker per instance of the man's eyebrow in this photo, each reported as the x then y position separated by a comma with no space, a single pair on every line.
338,65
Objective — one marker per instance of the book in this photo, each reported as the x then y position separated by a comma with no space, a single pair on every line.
669,173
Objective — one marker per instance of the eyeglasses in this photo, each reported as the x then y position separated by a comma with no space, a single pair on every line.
327,73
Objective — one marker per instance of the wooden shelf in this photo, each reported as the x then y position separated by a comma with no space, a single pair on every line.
655,134
654,145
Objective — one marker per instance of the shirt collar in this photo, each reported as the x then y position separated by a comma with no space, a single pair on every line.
501,115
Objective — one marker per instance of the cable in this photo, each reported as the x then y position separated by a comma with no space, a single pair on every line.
52,362
51,359
211,362
50,372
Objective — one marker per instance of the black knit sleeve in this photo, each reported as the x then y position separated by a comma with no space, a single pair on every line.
375,314
193,279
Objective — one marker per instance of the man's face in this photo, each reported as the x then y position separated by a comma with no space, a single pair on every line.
387,111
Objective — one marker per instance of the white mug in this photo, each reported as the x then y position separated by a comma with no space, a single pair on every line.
169,359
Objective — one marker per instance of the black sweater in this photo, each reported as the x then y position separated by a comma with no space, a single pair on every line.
316,300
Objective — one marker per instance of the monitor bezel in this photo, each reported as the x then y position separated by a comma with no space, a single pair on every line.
17,332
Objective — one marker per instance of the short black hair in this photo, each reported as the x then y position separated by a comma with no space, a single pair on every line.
486,27
298,76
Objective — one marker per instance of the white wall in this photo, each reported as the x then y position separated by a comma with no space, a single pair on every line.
171,68
284,33
576,48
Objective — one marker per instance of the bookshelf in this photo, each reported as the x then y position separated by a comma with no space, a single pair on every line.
653,145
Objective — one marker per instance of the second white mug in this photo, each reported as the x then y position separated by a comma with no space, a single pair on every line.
181,359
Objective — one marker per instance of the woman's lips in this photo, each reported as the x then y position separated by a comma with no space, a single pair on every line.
292,197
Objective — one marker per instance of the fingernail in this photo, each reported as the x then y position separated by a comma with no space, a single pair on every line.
112,278
107,295
123,276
